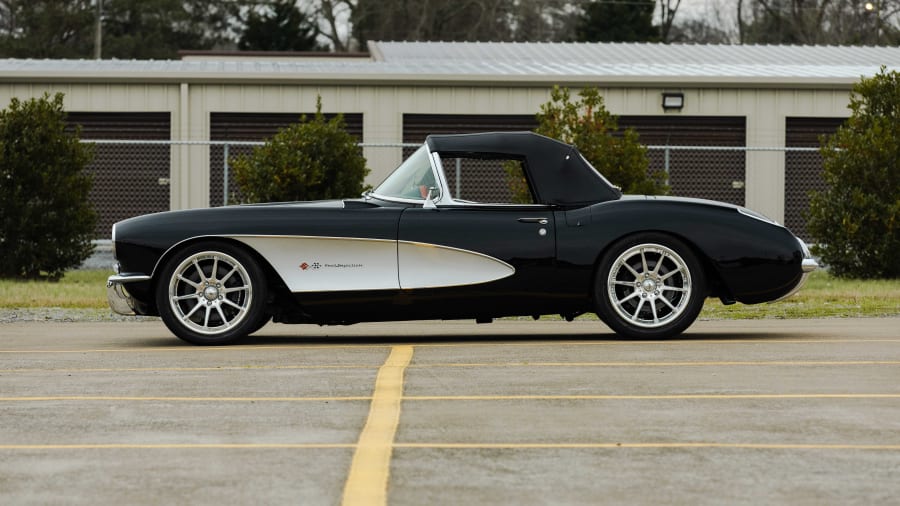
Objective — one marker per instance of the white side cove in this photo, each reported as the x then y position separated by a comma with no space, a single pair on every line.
424,265
321,264
329,264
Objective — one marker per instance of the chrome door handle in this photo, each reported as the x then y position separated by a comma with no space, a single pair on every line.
539,221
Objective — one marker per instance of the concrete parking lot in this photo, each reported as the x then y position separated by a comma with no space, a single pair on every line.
516,412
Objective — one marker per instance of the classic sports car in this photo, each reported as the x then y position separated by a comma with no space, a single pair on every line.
469,226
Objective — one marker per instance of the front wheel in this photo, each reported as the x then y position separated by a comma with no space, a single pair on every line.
649,286
211,293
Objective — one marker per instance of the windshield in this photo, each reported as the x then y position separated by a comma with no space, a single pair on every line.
412,179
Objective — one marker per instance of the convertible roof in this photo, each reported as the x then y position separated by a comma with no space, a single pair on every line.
557,172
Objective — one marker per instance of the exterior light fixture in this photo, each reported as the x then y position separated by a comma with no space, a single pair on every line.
672,101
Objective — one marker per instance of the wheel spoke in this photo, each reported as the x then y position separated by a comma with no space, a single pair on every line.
670,274
192,311
666,302
637,311
199,270
232,304
206,318
225,321
653,309
667,288
659,263
215,268
632,271
235,289
188,281
185,297
228,276
644,261
633,295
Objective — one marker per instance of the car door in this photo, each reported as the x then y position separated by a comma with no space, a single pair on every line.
502,255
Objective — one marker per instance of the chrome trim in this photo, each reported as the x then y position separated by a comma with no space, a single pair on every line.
807,266
757,216
118,298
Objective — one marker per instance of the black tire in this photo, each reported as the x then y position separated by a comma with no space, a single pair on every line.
649,286
212,293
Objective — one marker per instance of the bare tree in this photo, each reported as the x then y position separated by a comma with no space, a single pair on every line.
667,11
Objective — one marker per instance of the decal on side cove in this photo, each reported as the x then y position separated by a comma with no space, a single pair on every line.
337,264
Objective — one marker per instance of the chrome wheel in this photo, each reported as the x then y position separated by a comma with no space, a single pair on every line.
210,292
649,285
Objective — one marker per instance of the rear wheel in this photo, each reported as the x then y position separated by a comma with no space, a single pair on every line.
649,286
212,293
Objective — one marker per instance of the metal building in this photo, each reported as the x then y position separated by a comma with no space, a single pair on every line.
717,97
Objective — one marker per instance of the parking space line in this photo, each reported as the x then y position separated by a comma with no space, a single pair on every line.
675,342
367,480
426,344
543,446
412,398
449,446
111,398
201,349
791,363
179,446
194,369
643,397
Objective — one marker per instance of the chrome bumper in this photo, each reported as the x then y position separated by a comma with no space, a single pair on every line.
120,301
806,266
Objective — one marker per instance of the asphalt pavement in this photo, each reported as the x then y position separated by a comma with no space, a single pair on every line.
515,412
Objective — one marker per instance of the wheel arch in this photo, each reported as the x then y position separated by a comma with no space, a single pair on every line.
715,285
277,285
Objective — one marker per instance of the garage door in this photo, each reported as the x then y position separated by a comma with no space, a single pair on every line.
129,179
803,169
707,174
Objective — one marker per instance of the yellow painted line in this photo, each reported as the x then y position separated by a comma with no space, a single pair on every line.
685,341
462,365
179,446
447,446
192,369
199,349
660,364
425,344
542,446
109,398
367,480
179,399
643,397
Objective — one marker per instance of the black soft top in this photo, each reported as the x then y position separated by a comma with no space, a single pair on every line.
558,173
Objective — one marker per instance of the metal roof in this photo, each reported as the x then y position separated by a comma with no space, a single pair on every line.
489,63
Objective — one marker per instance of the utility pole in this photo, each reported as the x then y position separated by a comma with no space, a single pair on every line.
98,32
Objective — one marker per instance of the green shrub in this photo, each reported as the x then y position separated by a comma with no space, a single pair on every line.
46,220
314,159
856,220
594,131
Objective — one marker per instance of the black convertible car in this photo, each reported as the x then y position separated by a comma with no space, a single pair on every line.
469,226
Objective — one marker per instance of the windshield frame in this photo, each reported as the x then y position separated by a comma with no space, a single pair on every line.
436,175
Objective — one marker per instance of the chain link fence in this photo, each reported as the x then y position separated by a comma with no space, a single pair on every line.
133,177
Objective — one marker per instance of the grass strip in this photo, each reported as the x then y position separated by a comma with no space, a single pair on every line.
823,296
